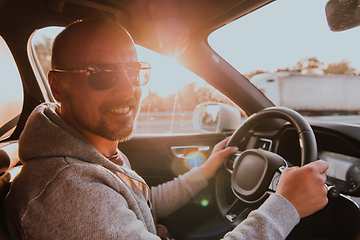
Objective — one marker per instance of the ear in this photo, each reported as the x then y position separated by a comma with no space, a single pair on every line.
56,86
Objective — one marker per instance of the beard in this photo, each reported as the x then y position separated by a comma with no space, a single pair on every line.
121,131
103,130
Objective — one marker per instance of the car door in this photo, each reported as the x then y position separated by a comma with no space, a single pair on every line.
169,151
152,158
166,143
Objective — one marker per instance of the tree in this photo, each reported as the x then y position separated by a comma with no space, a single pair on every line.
190,96
287,69
186,99
155,103
309,65
314,66
306,65
43,52
253,73
342,67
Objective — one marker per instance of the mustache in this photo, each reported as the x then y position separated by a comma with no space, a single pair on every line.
119,103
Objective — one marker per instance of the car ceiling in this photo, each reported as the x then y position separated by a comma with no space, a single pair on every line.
146,20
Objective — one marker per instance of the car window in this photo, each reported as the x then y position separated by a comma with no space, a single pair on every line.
11,92
167,106
288,51
171,96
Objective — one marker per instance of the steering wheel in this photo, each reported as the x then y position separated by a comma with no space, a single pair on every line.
254,173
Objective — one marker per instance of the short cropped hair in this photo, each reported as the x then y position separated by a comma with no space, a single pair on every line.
63,40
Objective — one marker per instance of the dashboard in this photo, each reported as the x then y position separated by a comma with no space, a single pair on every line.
337,144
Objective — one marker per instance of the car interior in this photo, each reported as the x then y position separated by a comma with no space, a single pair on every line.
182,28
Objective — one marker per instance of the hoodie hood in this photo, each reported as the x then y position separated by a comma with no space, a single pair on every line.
50,136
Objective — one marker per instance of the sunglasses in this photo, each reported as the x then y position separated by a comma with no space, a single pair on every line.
102,76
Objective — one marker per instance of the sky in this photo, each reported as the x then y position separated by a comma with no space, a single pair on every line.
277,36
8,71
282,33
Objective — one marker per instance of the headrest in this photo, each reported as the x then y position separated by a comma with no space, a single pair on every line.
4,161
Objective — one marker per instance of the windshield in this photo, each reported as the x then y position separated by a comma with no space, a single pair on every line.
287,50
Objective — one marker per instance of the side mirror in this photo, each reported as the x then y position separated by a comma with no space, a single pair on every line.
342,14
216,117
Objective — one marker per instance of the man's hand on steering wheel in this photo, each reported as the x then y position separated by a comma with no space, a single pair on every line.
216,159
305,187
253,175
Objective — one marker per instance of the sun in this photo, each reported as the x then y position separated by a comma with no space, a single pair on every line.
167,74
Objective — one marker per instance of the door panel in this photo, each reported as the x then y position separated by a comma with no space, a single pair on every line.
152,158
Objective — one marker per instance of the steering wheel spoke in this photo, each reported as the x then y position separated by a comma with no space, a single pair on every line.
238,211
230,162
275,180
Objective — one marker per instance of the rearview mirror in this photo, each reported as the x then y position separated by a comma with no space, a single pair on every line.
342,14
216,117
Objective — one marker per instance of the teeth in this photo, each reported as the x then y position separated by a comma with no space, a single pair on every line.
120,110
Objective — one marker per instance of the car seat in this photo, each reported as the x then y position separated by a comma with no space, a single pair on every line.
4,189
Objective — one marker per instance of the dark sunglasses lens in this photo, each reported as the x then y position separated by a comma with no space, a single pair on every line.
102,76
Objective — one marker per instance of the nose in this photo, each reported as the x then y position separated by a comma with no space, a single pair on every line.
123,87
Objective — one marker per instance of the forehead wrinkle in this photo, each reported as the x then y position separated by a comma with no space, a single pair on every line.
72,46
113,42
76,46
107,42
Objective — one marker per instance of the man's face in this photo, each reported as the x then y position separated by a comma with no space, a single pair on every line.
106,113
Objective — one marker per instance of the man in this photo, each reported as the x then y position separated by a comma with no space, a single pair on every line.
75,184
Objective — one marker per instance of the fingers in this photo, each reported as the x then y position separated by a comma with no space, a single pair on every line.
221,152
320,165
229,150
221,145
216,159
225,152
316,170
305,187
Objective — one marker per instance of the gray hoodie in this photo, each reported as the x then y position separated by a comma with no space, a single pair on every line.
68,190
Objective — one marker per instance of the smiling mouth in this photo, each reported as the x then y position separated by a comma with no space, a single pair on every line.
122,110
